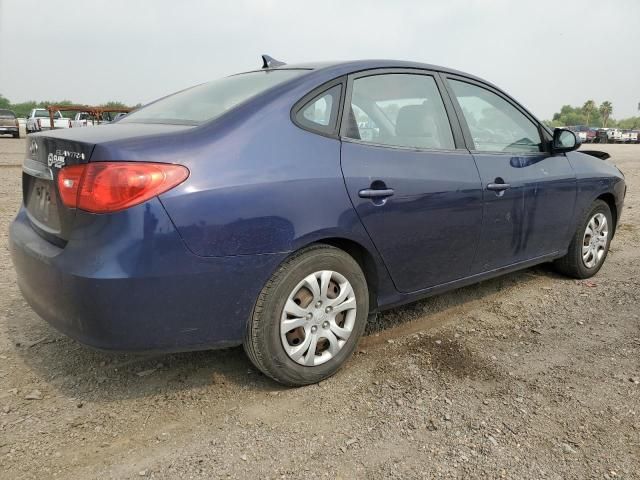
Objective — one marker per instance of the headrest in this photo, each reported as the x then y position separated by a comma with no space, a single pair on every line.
414,121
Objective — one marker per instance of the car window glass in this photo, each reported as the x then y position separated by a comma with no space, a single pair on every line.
366,126
495,124
321,113
208,101
397,109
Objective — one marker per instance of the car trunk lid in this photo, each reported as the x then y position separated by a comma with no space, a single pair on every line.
44,158
47,153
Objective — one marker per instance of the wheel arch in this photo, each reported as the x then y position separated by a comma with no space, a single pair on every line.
610,200
365,259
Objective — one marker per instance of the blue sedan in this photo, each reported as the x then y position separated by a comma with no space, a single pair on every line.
281,208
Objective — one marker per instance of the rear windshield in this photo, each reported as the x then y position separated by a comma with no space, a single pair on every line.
205,102
7,114
41,113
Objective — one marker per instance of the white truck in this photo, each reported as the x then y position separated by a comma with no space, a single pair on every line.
87,119
39,120
83,119
614,135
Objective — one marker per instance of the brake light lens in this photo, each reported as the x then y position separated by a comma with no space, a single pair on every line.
105,187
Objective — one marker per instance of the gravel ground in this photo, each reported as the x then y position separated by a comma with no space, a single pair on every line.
531,375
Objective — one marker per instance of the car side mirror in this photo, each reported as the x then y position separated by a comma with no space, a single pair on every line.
564,141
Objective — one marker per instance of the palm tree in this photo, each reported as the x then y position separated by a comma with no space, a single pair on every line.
605,109
588,108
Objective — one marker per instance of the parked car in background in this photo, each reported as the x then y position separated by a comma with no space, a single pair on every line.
614,135
601,136
624,136
580,131
280,208
88,119
634,136
9,124
629,136
39,120
82,119
587,134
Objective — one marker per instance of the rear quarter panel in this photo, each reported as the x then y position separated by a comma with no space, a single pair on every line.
258,184
264,187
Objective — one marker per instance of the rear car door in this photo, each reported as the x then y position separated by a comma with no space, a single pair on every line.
528,193
413,184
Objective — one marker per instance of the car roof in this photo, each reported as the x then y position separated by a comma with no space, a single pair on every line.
359,65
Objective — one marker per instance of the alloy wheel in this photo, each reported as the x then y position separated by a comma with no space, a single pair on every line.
594,241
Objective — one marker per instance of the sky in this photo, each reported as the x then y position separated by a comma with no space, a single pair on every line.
545,53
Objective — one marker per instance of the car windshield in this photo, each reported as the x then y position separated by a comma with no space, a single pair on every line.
205,102
6,114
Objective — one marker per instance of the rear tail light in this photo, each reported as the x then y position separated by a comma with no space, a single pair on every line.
39,125
105,187
17,123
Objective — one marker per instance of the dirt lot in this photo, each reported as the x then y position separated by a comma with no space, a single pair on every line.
528,376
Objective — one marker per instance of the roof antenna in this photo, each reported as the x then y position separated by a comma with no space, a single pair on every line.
270,62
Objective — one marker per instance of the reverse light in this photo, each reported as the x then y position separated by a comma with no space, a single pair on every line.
105,187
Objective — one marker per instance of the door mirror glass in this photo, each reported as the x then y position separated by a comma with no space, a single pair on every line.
564,140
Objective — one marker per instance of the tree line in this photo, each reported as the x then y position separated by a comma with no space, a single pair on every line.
592,115
24,108
589,113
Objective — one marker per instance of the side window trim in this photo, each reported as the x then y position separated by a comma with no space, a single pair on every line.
458,136
463,122
316,93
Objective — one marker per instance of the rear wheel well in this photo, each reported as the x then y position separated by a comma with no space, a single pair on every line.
366,262
610,200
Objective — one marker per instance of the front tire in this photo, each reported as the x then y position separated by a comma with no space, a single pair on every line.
309,316
590,244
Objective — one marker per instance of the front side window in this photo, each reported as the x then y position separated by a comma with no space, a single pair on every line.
495,124
205,102
397,109
321,113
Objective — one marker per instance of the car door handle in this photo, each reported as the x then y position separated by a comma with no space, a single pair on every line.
375,193
498,187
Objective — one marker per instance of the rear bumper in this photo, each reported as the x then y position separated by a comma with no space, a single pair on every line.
9,130
118,287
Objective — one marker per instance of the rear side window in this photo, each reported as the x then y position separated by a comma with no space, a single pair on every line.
42,113
321,113
208,101
7,114
397,109
495,124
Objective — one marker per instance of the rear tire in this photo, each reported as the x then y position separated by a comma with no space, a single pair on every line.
588,251
276,340
16,135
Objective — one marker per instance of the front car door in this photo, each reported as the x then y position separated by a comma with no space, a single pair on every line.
529,194
412,182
